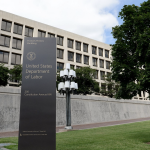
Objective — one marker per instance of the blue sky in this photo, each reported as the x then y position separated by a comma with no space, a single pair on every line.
90,18
109,37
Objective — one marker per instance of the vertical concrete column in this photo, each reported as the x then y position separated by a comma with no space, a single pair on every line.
65,49
146,95
81,46
104,63
12,27
90,55
22,47
46,34
35,32
82,59
74,57
11,41
74,44
98,63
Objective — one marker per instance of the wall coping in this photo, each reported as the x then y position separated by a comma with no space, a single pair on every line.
17,90
96,98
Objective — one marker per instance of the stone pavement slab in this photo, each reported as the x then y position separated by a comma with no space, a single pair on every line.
4,149
4,144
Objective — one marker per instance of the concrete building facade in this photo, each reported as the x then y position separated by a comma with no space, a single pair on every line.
77,50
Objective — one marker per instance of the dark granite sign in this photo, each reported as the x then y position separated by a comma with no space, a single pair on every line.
37,129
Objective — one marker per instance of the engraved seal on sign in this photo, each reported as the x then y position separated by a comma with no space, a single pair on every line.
31,56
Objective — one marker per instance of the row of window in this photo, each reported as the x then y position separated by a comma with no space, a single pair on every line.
5,41
4,58
85,47
102,74
15,58
79,58
18,28
60,66
101,63
109,87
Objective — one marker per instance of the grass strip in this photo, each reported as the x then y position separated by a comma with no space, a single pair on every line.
120,137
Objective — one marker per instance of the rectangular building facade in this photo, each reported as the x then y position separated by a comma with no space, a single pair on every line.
75,49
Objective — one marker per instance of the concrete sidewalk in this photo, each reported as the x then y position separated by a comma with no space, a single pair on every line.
83,126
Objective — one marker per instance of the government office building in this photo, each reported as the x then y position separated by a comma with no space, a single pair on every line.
77,50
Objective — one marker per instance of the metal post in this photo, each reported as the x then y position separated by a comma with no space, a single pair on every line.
68,110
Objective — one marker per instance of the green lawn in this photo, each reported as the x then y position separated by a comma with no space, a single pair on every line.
132,136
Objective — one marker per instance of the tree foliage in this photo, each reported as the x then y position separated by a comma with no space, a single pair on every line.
4,75
16,74
85,80
131,51
110,87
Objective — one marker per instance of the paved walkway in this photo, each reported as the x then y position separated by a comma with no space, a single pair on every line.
84,126
4,144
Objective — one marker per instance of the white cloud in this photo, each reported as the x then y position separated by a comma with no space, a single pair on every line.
90,18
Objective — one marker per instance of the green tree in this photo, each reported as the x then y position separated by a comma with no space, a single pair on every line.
110,87
85,80
4,75
131,51
16,74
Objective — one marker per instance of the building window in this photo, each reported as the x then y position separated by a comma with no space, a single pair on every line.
102,73
18,29
109,87
60,53
107,64
17,43
60,66
6,25
72,66
85,47
78,67
86,60
94,61
28,31
94,50
4,56
100,52
70,43
15,59
108,73
41,33
51,35
70,56
4,40
12,79
78,58
96,74
59,40
103,86
106,53
101,63
78,45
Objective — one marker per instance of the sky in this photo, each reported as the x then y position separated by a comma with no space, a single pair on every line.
90,18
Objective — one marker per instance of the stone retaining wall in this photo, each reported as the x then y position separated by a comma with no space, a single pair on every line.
85,109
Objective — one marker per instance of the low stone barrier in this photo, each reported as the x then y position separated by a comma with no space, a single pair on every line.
85,109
